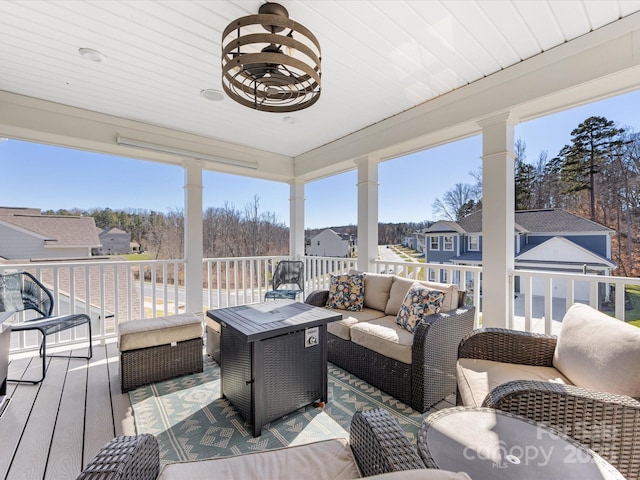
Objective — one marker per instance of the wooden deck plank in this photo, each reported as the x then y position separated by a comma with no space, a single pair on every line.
99,426
122,411
65,457
14,419
31,456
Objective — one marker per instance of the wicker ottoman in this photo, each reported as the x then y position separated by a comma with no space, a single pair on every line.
156,349
213,338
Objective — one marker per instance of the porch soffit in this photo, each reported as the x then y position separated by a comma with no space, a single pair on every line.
574,68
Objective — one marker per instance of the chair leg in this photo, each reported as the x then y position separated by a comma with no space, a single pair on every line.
43,354
86,357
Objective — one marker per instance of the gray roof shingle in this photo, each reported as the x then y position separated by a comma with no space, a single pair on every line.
61,230
552,220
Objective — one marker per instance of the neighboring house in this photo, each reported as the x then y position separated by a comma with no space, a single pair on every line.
549,239
114,241
25,234
328,243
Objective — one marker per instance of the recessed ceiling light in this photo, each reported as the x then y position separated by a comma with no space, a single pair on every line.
212,94
289,120
91,54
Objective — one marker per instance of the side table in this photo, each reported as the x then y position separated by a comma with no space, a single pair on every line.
491,444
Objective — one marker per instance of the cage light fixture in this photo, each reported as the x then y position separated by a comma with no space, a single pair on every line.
277,71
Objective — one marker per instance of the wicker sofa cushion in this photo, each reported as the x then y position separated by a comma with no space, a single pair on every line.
384,336
476,378
401,286
341,328
329,459
151,332
376,290
599,352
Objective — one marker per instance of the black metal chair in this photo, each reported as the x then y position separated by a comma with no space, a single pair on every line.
21,291
288,280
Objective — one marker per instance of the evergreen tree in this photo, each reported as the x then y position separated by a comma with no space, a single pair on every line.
524,178
593,142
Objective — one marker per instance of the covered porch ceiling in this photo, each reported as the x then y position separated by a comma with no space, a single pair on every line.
398,76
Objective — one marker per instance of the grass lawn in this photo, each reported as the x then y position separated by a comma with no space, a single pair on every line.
139,257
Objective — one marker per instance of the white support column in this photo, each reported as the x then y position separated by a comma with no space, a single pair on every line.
367,212
193,249
498,191
296,219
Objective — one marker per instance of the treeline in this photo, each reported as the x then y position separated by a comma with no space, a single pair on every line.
227,231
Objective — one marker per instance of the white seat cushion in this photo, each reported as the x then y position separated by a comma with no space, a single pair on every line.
384,336
152,332
476,378
326,460
341,328
599,352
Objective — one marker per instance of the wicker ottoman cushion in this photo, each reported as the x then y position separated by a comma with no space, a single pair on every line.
151,332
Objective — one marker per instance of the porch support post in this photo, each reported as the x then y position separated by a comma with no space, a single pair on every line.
367,212
193,249
296,220
498,213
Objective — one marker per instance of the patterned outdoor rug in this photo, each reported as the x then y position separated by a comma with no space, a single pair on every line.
192,422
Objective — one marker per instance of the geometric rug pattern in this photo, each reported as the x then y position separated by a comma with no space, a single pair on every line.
192,422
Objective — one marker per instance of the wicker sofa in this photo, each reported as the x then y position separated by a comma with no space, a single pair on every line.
377,448
418,368
585,382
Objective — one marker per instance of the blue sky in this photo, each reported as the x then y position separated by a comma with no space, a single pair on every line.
46,177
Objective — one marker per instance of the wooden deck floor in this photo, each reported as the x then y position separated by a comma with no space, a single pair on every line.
51,430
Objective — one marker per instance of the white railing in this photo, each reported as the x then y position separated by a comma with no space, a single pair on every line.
113,291
541,298
236,280
109,291
318,269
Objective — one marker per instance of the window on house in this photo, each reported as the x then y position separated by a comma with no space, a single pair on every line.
432,275
448,242
474,243
435,243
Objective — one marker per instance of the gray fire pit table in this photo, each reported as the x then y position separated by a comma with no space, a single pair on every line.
273,357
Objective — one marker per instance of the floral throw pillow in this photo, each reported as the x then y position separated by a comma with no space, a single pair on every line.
346,292
419,302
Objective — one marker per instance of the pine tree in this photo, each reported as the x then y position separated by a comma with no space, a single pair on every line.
593,141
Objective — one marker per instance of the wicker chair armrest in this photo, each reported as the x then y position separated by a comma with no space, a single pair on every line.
318,298
380,445
607,423
509,346
125,458
455,325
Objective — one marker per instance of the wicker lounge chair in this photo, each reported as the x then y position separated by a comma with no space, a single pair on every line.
608,423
